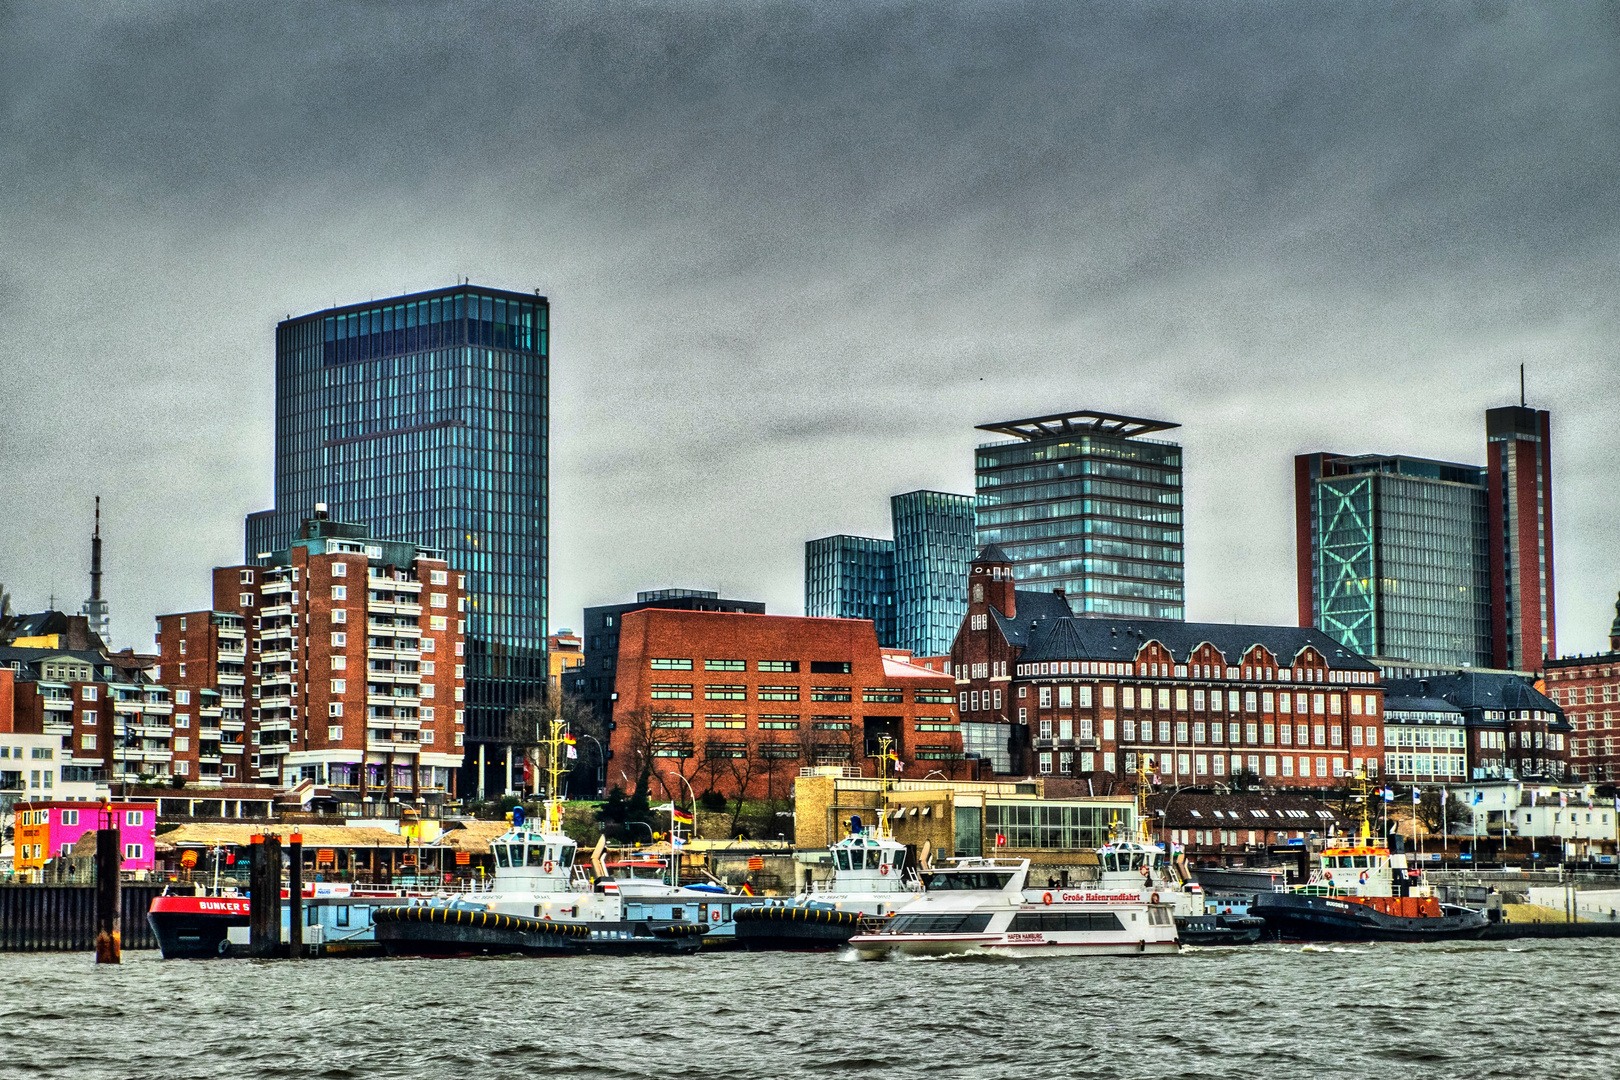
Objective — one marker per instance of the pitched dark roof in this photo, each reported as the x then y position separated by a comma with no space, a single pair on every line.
1120,640
1416,703
991,553
1197,811
1034,608
1476,690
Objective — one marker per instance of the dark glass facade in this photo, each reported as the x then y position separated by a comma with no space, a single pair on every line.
852,577
1400,554
425,417
933,544
1097,515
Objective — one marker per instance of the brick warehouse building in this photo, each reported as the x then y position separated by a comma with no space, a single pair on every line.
728,702
340,663
1042,691
1588,689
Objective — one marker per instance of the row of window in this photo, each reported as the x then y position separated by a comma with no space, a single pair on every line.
1228,673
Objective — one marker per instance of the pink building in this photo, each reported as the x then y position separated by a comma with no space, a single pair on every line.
44,829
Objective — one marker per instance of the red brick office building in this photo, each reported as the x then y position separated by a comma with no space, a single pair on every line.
721,701
1588,689
1041,691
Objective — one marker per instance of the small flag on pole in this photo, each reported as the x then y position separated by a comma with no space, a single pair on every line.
1417,796
679,816
572,752
568,739
747,889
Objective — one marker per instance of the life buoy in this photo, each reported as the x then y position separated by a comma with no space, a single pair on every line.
1154,899
1364,877
1327,875
1046,898
548,866
883,869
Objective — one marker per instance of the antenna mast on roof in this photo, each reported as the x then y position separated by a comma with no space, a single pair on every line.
1521,386
96,607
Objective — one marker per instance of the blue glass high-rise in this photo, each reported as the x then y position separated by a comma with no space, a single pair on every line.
1082,503
933,544
425,417
851,577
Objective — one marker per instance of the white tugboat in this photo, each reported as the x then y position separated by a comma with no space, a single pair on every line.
543,902
871,879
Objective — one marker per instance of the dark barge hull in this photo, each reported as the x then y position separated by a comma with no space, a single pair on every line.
793,928
1207,930
193,928
1322,918
426,931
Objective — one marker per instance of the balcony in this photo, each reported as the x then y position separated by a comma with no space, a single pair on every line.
276,588
390,700
231,724
280,701
277,611
275,724
408,608
230,748
159,708
129,707
406,586
157,756
233,632
393,746
277,656
58,725
381,607
208,759
58,703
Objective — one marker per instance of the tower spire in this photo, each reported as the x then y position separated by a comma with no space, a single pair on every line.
96,606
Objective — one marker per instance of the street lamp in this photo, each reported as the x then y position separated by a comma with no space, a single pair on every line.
601,757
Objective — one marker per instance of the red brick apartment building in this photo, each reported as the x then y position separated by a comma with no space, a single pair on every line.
726,702
1041,691
1588,688
340,663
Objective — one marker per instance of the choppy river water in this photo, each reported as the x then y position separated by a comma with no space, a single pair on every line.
1528,1009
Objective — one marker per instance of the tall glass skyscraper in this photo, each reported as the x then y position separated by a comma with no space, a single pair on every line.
1081,502
425,417
851,577
1396,553
933,544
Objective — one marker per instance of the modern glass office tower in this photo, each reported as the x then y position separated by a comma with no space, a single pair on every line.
1081,502
1394,556
425,417
933,544
851,577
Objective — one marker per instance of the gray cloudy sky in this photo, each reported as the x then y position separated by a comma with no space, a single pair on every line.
796,252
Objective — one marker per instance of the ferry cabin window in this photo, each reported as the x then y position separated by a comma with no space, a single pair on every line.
537,855
960,923
1050,922
843,859
342,915
962,880
501,856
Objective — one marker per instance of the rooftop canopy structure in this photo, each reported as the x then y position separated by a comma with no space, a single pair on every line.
1082,422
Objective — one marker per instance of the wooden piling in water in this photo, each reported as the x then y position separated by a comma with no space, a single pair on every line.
109,902
264,898
295,896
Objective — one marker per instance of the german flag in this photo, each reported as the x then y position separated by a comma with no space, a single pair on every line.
748,890
680,817
568,739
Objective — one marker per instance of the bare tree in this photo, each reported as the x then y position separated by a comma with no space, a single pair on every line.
741,772
528,727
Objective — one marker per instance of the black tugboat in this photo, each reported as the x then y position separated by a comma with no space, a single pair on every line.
1351,897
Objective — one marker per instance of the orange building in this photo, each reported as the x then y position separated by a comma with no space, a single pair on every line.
565,650
727,702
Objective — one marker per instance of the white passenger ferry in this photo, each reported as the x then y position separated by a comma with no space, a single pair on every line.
982,906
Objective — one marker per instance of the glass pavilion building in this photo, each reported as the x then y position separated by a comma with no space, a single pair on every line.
425,417
1081,502
1394,556
851,577
933,544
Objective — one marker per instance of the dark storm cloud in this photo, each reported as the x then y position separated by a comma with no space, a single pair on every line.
796,252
